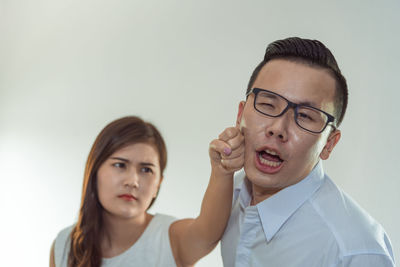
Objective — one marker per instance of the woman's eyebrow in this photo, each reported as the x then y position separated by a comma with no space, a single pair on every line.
147,164
128,161
121,159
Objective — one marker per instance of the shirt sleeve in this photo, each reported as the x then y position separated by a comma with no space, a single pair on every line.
367,260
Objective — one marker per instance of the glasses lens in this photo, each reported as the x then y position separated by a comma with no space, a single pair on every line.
311,119
269,104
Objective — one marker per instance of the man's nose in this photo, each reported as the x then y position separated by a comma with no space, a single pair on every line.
278,126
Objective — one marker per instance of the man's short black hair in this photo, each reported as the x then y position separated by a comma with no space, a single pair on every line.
312,53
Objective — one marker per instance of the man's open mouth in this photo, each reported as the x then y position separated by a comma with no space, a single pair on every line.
269,157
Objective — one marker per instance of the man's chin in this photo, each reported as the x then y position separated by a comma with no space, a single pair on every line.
260,178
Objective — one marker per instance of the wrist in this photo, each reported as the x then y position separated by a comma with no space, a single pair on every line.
221,172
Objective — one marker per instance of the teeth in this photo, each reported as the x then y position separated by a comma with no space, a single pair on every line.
271,152
268,162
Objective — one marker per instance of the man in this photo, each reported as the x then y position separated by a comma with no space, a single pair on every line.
286,212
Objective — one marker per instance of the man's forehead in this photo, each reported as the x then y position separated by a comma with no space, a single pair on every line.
298,82
278,68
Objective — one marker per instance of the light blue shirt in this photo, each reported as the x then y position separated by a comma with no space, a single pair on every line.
309,224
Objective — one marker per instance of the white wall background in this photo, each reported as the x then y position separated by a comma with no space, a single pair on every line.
69,67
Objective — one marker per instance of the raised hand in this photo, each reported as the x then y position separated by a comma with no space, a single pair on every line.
227,152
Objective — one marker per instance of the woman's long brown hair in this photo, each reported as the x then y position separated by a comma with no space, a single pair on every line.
85,248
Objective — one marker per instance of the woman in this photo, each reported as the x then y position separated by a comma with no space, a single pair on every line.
123,174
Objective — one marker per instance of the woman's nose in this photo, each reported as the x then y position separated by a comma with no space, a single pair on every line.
132,180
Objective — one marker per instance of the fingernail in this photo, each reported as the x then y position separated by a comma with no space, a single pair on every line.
227,151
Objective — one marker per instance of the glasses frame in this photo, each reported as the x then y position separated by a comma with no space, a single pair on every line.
290,104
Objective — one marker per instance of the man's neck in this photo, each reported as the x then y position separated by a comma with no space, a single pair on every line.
259,194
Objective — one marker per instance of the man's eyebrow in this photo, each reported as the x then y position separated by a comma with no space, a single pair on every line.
268,95
121,159
308,103
302,103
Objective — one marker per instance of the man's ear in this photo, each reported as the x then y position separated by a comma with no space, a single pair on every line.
333,139
240,113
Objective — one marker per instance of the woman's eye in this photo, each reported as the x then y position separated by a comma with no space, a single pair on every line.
119,165
147,170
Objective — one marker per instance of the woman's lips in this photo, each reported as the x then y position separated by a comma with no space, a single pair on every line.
127,197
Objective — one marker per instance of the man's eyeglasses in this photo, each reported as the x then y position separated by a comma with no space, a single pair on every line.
307,117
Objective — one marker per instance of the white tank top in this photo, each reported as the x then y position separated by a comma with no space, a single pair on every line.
151,249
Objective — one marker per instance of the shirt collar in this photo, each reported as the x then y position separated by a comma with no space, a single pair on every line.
275,210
